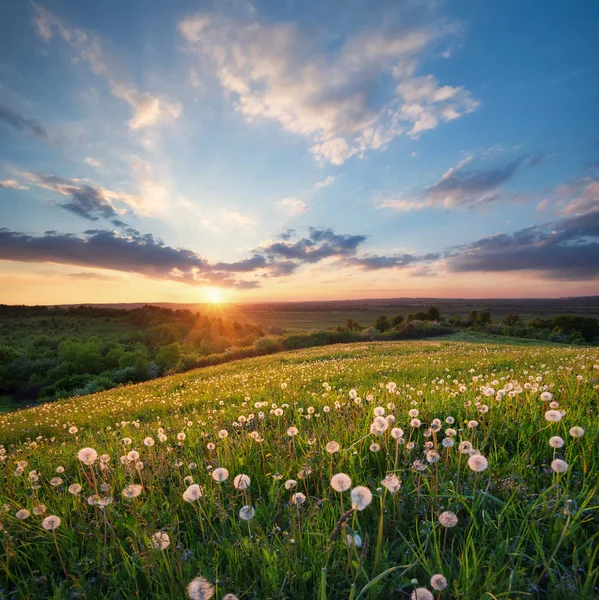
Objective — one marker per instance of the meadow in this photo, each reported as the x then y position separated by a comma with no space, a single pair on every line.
413,469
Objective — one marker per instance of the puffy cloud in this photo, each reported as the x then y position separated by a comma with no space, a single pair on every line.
325,182
293,205
148,109
340,98
567,249
16,120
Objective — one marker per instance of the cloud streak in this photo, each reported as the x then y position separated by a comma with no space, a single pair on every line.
16,120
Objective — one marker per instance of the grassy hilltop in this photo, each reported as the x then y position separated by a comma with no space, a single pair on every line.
504,437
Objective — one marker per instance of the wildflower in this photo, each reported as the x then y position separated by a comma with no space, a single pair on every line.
210,446
353,541
340,482
133,490
246,513
241,482
149,442
374,447
361,497
230,597
181,436
73,430
74,489
422,593
447,442
556,441
397,433
450,420
559,465
192,493
22,514
438,582
392,483
160,540
87,456
576,432
220,474
55,481
448,519
432,456
200,589
133,456
298,498
292,431
290,484
553,416
127,441
465,447
332,447
472,424
478,463
415,423
40,509
51,522
546,396
60,470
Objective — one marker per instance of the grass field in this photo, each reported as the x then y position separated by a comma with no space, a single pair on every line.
446,444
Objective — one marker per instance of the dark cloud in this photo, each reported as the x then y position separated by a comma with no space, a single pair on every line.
287,234
374,262
244,266
17,121
320,244
144,255
88,202
564,250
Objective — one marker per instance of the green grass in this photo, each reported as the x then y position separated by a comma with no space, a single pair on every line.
523,531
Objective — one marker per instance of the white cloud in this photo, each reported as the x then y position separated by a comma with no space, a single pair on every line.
12,185
325,182
236,218
93,162
293,206
334,98
148,109
401,204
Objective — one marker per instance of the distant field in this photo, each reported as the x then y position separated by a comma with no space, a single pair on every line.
470,470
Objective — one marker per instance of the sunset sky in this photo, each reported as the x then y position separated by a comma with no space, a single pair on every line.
286,149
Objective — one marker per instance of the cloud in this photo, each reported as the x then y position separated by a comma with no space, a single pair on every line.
347,99
374,262
582,196
148,109
325,182
93,275
293,206
11,184
86,200
141,254
93,162
17,121
464,186
567,249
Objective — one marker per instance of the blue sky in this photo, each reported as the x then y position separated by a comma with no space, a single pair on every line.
283,150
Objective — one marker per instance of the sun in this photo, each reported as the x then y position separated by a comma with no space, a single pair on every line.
214,295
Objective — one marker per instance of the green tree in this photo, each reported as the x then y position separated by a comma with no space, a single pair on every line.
434,314
382,323
168,356
511,320
396,320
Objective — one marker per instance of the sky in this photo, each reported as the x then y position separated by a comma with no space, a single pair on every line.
298,150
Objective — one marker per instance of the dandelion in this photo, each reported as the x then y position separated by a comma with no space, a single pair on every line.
181,436
472,424
448,519
478,463
559,465
200,589
133,490
192,493
133,456
149,442
415,423
292,431
230,597
74,489
160,540
332,447
60,470
576,432
465,447
51,523
241,482
361,497
87,456
432,456
553,416
127,441
22,514
379,411
246,513
55,481
353,541
556,441
447,442
397,433
298,498
392,483
546,396
374,447
290,484
73,430
340,482
221,474
40,509
422,593
438,582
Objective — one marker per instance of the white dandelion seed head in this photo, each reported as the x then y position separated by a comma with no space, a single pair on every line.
298,498
200,589
221,474
448,519
353,541
422,593
374,447
438,582
241,482
22,514
415,423
149,442
546,396
87,456
51,522
478,463
340,482
361,497
192,493
75,489
246,513
290,484
397,433
559,465
576,432
553,416
556,441
160,540
292,431
332,447
133,490
392,483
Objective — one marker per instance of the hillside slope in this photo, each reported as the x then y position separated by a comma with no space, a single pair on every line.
420,429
